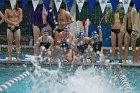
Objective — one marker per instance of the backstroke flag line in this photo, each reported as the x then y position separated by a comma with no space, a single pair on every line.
1,3
24,3
69,4
126,5
80,4
35,3
137,5
114,4
13,3
103,4
47,3
91,4
57,4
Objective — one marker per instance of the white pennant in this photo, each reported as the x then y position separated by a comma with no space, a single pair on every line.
57,4
13,3
80,4
103,4
126,4
35,3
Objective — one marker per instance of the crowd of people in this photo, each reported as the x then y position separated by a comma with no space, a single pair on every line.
61,43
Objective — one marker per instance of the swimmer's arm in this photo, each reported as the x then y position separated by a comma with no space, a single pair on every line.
20,15
37,46
37,43
6,18
52,42
2,16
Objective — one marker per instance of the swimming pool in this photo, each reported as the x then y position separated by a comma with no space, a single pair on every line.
71,78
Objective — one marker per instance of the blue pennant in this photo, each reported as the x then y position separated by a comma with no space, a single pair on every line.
24,3
69,4
47,3
91,4
1,3
114,4
137,5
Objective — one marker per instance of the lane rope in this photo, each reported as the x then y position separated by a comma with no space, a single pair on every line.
124,82
9,83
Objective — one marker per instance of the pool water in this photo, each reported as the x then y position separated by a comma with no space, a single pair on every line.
68,80
133,75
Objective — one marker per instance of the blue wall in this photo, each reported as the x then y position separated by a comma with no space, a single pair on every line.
106,32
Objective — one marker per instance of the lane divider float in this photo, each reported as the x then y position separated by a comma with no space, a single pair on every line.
9,83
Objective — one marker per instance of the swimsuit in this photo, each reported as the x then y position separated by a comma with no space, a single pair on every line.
65,43
82,48
116,31
60,30
36,17
45,44
14,30
129,31
97,46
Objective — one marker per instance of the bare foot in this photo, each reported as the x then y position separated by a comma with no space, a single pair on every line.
135,62
124,62
18,59
9,58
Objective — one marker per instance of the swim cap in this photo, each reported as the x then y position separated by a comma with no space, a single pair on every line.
45,30
95,34
80,34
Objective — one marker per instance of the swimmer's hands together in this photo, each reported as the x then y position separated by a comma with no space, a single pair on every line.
15,23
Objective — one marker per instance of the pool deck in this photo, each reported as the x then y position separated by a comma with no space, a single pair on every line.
29,63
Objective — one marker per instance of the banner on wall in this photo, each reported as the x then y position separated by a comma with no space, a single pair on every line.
91,4
114,4
69,4
13,3
1,3
46,3
24,3
57,4
35,3
126,4
80,4
137,5
103,4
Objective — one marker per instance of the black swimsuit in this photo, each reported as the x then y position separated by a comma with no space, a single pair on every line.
45,44
14,30
97,46
129,31
59,30
82,48
41,27
116,31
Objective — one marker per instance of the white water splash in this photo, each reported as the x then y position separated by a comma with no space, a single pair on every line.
91,80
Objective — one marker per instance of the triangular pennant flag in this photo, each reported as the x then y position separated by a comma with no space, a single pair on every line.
114,4
1,3
91,4
69,4
13,3
47,3
57,4
35,3
103,4
24,3
137,5
126,4
80,4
